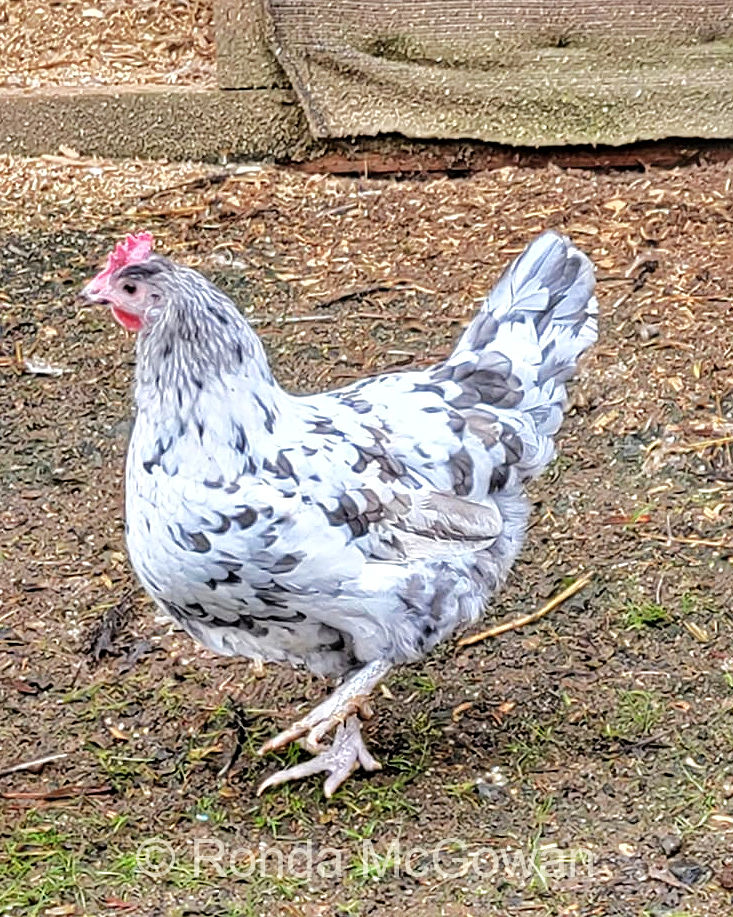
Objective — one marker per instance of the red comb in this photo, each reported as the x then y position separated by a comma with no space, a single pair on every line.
132,250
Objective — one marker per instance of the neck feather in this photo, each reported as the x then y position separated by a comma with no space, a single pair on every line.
199,348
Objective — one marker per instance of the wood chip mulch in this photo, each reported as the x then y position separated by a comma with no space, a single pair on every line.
88,43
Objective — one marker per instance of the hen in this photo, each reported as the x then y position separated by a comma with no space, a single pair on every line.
348,531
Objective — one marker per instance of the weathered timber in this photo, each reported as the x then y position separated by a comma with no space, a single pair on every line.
395,156
173,122
526,73
243,56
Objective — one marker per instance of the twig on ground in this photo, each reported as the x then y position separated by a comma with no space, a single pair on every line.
682,539
31,765
516,623
402,283
702,444
62,792
664,875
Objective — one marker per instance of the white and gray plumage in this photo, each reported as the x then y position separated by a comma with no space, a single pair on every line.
348,531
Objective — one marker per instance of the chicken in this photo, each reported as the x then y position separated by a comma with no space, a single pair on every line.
348,531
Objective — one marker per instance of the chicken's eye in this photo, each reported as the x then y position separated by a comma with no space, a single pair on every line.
130,288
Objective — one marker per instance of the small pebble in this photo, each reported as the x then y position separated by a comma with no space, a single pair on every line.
670,844
689,871
725,877
648,332
493,794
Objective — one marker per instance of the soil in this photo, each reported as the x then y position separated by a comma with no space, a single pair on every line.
578,766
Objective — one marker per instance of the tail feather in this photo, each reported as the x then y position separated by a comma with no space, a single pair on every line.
530,332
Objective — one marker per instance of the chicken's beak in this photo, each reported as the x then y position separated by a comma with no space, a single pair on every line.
93,294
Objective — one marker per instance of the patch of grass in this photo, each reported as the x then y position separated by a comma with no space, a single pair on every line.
364,833
283,805
529,749
646,913
644,510
424,684
415,758
124,869
679,795
379,801
171,701
639,615
466,788
263,893
121,769
698,601
99,700
423,725
636,714
125,872
41,869
542,814
377,866
116,822
209,809
696,805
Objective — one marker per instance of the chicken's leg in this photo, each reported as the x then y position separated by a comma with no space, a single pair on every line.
347,752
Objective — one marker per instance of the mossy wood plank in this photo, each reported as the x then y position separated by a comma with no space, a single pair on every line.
179,123
531,73
243,56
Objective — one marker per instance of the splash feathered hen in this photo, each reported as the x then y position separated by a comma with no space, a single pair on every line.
348,531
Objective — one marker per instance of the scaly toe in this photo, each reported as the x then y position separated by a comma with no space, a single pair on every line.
347,753
297,772
296,731
312,728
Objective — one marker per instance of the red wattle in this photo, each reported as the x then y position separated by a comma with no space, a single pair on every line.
128,320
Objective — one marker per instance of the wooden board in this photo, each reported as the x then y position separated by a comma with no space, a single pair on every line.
527,73
243,56
172,122
393,156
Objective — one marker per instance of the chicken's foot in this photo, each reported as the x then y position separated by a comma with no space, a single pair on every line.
347,752
345,755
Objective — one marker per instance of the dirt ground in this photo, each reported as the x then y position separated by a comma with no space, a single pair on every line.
580,766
